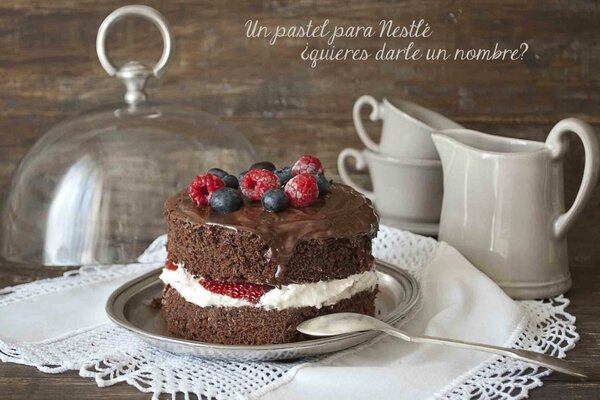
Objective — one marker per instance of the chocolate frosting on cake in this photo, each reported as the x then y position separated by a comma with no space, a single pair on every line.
343,213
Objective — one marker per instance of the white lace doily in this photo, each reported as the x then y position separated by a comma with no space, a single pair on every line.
110,354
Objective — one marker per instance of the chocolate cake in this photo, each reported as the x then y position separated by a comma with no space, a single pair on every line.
247,275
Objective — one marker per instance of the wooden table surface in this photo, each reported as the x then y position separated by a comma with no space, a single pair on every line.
50,72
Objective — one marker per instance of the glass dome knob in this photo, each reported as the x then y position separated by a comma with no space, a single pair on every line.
135,74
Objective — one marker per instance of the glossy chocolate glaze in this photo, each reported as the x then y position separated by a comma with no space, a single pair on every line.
343,213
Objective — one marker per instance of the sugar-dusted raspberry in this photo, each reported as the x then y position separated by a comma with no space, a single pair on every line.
251,292
257,182
309,164
302,190
202,186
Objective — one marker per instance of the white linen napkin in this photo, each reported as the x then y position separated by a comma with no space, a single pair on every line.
57,313
459,302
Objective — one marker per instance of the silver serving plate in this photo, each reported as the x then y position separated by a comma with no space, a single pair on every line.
130,307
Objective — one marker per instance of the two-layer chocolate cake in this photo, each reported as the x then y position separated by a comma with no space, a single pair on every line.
243,271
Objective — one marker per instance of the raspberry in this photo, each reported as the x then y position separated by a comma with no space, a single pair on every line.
202,187
308,164
171,266
257,182
302,190
251,292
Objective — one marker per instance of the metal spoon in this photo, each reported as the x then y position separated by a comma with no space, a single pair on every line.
336,324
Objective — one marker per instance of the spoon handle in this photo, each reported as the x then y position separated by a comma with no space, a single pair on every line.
540,359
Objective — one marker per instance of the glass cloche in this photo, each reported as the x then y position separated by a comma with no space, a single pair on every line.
92,189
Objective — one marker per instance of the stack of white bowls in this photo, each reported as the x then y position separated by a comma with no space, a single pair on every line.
405,169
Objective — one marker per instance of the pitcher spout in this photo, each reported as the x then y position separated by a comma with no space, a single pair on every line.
445,144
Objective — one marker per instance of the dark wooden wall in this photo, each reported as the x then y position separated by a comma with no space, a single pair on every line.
49,71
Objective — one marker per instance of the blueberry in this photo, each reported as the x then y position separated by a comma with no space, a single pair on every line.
284,174
241,176
323,184
264,165
275,200
226,200
218,172
231,181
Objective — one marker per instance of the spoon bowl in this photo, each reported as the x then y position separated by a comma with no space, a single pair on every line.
340,323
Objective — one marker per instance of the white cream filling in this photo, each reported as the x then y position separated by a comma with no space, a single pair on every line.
316,294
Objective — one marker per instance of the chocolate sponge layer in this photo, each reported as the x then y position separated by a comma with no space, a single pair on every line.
249,325
220,253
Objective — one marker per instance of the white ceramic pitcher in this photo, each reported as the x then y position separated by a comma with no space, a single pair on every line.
503,205
406,130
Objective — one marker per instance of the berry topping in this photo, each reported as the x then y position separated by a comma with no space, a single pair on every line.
269,166
275,200
248,291
257,182
302,190
323,184
226,200
218,172
171,266
308,164
284,174
231,181
202,186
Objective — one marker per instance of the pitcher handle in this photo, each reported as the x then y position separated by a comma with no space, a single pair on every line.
586,133
376,115
360,165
